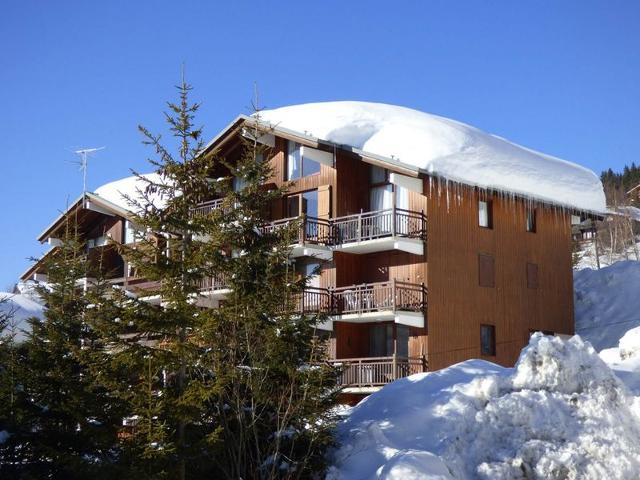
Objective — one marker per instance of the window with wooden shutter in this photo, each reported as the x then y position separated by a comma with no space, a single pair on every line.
486,270
532,275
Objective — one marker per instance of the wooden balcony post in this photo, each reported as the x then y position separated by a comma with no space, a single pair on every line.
359,226
394,365
393,220
393,294
302,234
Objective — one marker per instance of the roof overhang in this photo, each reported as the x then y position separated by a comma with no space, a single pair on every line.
87,201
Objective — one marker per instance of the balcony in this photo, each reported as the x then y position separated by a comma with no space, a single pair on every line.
401,302
313,236
365,232
207,207
391,229
212,290
367,375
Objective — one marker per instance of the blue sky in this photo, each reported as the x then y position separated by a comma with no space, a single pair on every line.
562,77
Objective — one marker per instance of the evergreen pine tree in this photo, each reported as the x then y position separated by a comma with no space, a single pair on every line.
62,425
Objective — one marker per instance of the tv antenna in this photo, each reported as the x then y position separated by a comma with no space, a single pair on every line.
83,162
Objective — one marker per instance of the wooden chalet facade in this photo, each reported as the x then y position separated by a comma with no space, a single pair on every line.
415,274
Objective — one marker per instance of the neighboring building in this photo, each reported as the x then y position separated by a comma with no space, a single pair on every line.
436,242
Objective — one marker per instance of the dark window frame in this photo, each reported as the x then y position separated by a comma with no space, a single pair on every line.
489,203
531,220
301,166
488,350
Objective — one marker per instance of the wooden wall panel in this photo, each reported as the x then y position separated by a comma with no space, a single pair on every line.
458,305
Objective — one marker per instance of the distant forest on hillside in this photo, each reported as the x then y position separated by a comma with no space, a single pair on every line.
617,184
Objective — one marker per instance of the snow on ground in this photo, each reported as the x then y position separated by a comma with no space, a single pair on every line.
19,307
560,413
625,359
445,148
587,256
607,302
132,187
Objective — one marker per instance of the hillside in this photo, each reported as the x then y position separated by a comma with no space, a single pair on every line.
607,302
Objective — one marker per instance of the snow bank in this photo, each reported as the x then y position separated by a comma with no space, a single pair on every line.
624,359
131,187
607,302
445,148
19,307
560,413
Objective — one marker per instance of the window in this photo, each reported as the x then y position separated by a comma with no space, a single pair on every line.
488,340
131,233
531,220
377,175
532,275
486,270
575,220
297,165
381,340
485,214
310,271
402,341
239,184
303,203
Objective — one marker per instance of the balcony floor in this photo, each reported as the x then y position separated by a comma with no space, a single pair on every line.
410,319
410,245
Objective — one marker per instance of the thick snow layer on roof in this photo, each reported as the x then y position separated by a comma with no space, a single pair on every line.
560,413
445,148
117,191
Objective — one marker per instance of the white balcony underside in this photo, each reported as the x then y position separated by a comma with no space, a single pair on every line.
360,390
326,325
211,298
410,245
320,252
410,319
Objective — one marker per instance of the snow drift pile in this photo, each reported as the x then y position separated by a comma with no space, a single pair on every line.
444,148
560,413
607,302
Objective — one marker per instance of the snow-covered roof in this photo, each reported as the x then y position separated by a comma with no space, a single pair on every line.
131,187
444,148
19,307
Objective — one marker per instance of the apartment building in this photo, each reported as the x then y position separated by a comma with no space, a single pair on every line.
456,247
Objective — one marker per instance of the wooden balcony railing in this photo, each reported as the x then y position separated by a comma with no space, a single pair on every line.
217,282
310,229
354,299
376,371
383,296
382,223
351,228
206,207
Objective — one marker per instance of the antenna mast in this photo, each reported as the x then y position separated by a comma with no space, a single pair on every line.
83,162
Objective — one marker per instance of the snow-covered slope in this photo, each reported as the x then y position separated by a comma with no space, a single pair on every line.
607,302
445,148
19,307
131,187
560,413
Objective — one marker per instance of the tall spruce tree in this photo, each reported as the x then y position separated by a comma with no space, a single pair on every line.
62,421
238,391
